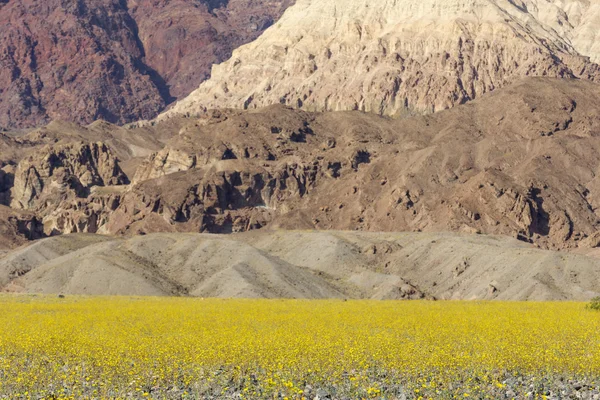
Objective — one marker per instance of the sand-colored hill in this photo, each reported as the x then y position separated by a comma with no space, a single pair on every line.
395,57
301,264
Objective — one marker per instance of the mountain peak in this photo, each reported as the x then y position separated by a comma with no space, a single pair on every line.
397,57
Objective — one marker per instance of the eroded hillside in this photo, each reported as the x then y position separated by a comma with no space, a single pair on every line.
402,57
300,264
520,162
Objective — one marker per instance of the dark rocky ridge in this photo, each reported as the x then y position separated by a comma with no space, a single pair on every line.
519,162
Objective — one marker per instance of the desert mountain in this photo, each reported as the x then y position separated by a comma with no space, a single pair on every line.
115,60
293,264
397,57
498,146
521,161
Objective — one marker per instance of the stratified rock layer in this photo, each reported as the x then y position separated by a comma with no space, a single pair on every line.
395,57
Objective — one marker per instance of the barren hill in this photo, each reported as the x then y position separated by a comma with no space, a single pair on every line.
293,264
397,57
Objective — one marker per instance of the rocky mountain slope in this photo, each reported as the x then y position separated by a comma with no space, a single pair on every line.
521,161
300,265
397,57
17,228
182,39
115,60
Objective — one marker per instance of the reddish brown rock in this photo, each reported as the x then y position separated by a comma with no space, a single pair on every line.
184,38
520,162
69,60
114,60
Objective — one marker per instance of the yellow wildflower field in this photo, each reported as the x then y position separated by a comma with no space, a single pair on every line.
117,347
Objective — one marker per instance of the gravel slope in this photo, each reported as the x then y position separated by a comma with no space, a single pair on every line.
301,264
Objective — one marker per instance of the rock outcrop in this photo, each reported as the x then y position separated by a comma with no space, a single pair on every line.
225,197
502,165
56,176
164,162
401,57
120,61
17,228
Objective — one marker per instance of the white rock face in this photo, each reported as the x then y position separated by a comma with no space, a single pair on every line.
395,57
586,35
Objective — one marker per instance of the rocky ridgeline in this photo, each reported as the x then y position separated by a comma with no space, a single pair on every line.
519,162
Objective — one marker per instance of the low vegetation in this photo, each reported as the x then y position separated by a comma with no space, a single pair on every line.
594,304
161,348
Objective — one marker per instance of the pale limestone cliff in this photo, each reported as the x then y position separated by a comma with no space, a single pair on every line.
402,56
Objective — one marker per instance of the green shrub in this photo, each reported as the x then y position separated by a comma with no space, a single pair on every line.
594,304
